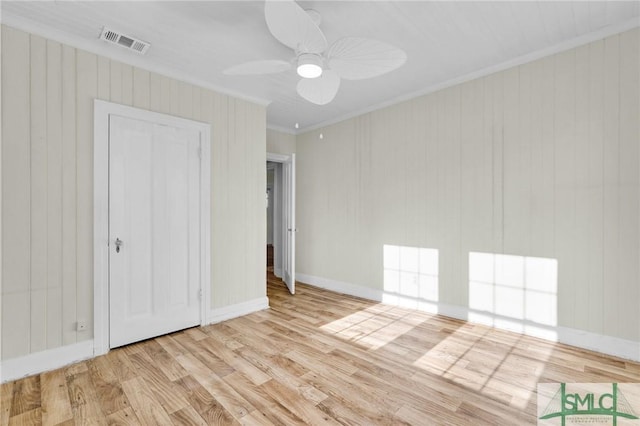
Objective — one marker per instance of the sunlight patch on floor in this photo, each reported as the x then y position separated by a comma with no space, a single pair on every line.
490,364
373,330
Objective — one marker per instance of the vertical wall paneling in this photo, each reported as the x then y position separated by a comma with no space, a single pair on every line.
69,196
547,173
196,103
629,249
115,87
48,91
488,148
470,162
458,264
583,234
141,89
38,170
497,135
185,99
512,167
54,195
165,95
155,92
104,78
240,173
16,176
595,150
280,143
255,125
219,160
611,184
541,160
524,148
127,84
565,208
174,96
86,92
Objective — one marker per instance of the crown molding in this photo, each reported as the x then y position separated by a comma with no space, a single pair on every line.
98,47
529,57
282,129
49,32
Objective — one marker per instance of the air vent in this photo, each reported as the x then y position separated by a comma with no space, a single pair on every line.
125,41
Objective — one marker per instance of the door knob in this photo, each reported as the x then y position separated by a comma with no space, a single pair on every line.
119,243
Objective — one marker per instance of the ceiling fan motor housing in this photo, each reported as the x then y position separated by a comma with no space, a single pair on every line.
309,65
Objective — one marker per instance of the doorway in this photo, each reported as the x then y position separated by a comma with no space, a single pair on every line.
271,171
151,224
281,216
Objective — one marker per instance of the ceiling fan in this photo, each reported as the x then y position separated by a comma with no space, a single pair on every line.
321,66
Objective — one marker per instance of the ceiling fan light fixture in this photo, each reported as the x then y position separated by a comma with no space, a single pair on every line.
309,65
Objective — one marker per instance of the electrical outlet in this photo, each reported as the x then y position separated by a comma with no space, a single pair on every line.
81,326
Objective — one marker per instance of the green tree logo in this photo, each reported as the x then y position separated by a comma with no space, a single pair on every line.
565,404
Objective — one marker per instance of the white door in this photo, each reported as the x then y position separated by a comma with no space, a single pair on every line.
289,264
154,221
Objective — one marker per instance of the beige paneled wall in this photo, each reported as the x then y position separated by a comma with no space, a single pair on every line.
47,184
280,142
541,160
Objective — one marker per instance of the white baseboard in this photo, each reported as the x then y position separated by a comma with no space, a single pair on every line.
627,349
239,309
39,362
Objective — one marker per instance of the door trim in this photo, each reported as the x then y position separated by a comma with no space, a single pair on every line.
102,111
280,212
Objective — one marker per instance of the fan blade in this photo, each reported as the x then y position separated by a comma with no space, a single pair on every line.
269,66
357,58
321,90
293,27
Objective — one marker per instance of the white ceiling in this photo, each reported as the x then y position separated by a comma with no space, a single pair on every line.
445,42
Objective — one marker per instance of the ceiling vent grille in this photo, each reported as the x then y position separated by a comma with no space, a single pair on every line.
125,41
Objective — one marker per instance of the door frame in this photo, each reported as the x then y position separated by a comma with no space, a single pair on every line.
102,111
280,209
278,212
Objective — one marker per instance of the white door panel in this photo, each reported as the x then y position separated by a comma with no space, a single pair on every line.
289,263
154,210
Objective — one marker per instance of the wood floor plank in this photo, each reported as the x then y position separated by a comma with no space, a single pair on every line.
56,407
126,417
189,416
26,396
297,404
144,404
255,395
84,401
231,400
163,361
257,418
165,392
238,363
120,365
27,418
204,404
6,397
108,390
314,358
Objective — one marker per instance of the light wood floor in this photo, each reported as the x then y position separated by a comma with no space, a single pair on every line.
316,358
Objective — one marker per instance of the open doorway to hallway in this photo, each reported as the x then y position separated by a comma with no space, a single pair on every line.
271,172
280,216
